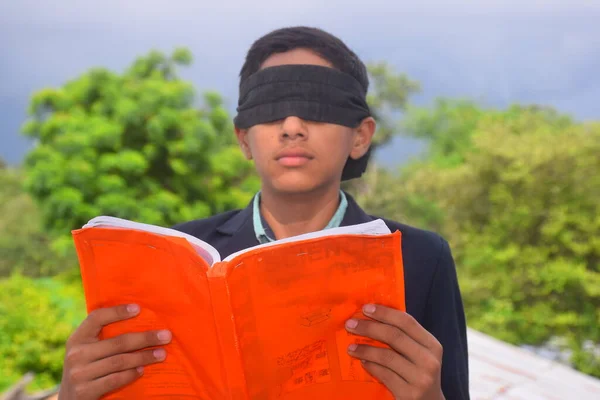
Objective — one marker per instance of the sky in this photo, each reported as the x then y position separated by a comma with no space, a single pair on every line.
496,52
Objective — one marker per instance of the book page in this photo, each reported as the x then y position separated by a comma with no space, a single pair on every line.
377,227
205,250
168,280
290,304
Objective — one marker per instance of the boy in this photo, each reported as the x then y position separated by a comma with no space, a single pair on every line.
303,119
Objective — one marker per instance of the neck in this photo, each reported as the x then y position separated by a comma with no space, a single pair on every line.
298,213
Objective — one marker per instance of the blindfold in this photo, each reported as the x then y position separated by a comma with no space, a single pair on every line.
310,92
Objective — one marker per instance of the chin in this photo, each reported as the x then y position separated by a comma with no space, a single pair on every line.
296,183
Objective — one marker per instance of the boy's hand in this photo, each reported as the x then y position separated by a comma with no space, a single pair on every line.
95,367
411,368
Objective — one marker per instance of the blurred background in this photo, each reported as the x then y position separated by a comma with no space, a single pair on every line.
489,133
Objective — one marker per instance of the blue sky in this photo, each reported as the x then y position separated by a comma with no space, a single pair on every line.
496,52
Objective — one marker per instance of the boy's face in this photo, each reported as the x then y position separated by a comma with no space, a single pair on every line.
293,155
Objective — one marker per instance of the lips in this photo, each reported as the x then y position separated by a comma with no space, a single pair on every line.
294,153
294,157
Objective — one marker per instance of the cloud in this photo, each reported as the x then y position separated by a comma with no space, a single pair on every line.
500,51
158,10
497,47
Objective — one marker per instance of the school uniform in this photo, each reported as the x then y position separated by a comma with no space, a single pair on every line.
431,287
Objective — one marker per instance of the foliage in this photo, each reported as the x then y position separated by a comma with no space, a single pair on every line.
388,98
384,194
36,318
519,192
24,245
132,145
449,126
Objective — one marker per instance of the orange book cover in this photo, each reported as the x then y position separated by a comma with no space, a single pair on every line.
264,323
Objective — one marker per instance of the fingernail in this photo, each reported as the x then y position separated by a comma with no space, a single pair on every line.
369,309
352,348
159,354
133,308
351,324
164,336
140,370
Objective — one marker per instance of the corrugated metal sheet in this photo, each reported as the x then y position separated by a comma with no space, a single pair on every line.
500,371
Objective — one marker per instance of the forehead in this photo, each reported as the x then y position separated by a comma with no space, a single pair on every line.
296,56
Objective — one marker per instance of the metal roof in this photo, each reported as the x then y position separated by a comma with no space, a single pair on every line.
501,371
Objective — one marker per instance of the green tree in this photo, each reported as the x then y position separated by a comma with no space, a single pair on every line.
448,129
449,126
36,318
133,145
519,194
384,193
388,98
24,245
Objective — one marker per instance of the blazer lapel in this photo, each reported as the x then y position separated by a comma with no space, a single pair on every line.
239,232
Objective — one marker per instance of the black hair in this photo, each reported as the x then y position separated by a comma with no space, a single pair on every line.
317,40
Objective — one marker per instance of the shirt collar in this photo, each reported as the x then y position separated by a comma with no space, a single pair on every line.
264,233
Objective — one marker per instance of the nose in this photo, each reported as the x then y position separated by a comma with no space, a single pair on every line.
293,128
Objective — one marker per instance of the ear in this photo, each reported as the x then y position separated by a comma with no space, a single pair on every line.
242,138
363,137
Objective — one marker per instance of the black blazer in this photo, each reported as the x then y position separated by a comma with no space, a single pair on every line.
431,287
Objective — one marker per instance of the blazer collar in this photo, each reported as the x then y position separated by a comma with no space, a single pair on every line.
238,232
241,222
354,213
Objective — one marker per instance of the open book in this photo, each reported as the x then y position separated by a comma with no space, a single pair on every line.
264,323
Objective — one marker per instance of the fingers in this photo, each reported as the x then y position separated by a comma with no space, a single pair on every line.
95,367
83,354
386,358
99,387
413,382
389,378
411,366
90,328
117,363
406,323
390,335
